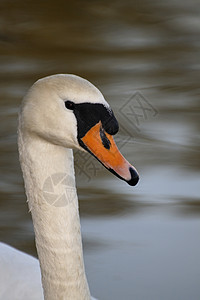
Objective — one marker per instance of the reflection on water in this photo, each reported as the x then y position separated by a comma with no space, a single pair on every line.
142,242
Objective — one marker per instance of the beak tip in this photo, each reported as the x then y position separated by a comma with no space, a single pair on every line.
134,177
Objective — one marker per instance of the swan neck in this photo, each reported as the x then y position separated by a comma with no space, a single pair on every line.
48,173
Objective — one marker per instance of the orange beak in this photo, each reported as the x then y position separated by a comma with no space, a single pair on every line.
103,147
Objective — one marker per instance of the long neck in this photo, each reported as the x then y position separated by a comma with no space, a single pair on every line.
48,172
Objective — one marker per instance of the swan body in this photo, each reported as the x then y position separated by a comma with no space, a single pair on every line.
20,277
60,113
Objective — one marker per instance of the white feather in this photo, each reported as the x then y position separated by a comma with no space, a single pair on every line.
46,134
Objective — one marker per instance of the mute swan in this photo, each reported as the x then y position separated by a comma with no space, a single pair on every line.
59,113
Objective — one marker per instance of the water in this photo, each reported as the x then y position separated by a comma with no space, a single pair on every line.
142,242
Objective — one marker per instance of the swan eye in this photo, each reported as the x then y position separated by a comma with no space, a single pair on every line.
69,104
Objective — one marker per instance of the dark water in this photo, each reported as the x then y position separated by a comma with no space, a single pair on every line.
140,243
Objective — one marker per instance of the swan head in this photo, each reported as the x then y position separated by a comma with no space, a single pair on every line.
69,111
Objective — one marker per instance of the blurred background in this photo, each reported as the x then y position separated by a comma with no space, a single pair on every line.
140,242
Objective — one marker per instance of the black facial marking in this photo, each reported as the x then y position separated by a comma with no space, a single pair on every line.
104,139
89,114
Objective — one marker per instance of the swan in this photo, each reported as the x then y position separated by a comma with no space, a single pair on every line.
59,113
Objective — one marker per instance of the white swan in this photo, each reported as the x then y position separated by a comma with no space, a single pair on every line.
59,113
